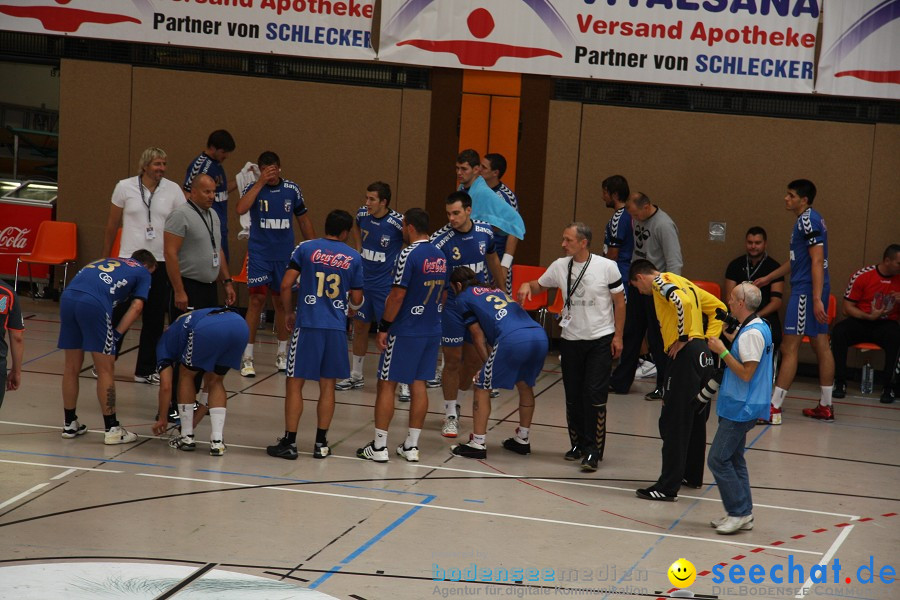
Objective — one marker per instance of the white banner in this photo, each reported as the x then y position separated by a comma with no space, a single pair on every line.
321,28
749,44
860,49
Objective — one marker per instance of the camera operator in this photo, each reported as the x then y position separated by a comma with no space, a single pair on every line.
743,398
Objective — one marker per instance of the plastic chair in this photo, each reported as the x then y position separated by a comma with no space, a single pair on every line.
242,276
56,244
709,286
117,244
523,274
558,303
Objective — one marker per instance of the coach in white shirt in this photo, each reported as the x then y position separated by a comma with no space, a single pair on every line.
592,321
140,205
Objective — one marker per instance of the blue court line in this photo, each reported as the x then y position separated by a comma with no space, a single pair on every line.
478,501
90,458
31,360
344,485
378,536
761,433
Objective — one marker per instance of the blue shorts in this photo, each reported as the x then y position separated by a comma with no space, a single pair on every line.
373,305
85,324
216,343
318,354
409,358
516,357
265,273
799,318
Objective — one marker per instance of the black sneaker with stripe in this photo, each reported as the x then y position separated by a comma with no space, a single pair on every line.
651,493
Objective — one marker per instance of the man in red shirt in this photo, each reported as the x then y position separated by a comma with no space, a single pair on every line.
872,307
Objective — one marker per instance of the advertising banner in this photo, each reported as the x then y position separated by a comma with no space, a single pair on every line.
18,230
747,44
338,29
860,49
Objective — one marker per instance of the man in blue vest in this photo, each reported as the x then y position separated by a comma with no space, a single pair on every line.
743,398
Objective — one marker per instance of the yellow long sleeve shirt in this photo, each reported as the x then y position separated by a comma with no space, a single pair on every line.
680,306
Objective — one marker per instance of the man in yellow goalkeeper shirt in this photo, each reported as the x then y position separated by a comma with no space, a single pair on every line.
680,307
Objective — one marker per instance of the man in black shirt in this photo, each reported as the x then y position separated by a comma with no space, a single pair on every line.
755,264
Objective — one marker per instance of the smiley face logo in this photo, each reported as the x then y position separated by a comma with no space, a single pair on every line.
682,573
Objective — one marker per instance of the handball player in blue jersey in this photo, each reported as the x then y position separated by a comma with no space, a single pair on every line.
207,341
85,315
378,236
513,348
465,243
806,313
331,282
493,167
272,202
219,145
409,336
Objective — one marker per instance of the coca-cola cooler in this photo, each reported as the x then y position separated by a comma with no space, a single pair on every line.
23,207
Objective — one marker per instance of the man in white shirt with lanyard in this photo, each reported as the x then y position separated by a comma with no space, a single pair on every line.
592,321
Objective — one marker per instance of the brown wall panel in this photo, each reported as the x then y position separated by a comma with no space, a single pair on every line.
883,222
94,127
560,185
443,141
531,163
413,156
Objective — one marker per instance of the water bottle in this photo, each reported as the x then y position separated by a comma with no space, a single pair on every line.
262,320
868,378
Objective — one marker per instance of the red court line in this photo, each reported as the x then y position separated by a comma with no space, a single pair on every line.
533,485
635,520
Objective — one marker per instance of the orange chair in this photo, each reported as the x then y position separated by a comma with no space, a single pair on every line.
557,306
242,276
56,244
523,274
709,286
117,244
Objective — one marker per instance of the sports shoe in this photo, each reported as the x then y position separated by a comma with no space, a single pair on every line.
515,444
733,524
94,372
370,452
73,429
183,442
216,448
450,427
322,450
118,435
247,369
589,462
350,383
280,361
436,382
693,486
721,520
573,454
651,493
645,369
495,393
774,417
469,450
403,393
410,454
887,396
656,394
822,413
152,379
840,390
283,449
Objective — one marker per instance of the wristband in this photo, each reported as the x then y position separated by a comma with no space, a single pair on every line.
229,280
507,260
724,354
356,306
384,325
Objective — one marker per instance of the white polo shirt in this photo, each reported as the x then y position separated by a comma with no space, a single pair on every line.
167,196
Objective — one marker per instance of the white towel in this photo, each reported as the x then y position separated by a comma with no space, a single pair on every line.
248,175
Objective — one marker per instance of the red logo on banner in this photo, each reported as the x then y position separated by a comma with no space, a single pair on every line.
14,238
65,20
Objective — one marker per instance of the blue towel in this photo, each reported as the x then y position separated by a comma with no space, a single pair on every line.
490,207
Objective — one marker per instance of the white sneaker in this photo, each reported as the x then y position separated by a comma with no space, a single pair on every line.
73,429
410,454
436,382
645,369
118,435
450,427
183,442
404,393
216,448
730,524
247,369
351,383
281,361
370,452
152,379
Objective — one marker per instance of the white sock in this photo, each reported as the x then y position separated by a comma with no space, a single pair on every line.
479,439
203,398
356,366
778,396
825,400
217,423
380,439
186,412
450,408
412,438
282,346
522,433
248,351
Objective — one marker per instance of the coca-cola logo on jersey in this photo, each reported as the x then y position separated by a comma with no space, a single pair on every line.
14,237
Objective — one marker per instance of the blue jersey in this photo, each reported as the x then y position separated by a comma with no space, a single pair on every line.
422,271
329,269
382,240
467,249
112,280
271,232
210,166
496,313
809,231
510,198
619,234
